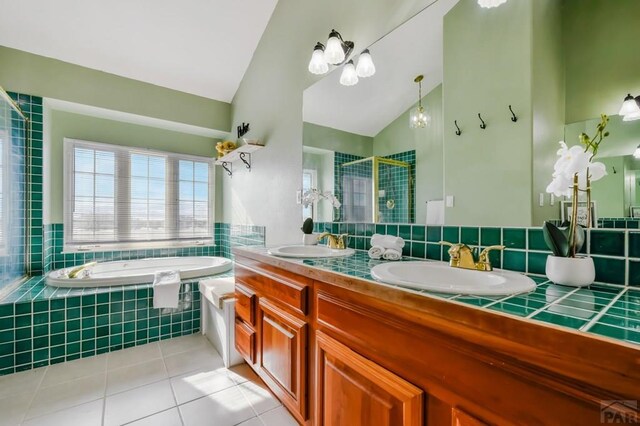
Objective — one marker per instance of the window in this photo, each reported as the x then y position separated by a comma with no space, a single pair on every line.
121,197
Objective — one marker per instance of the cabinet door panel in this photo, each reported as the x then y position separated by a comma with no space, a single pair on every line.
245,341
351,390
245,300
462,418
283,354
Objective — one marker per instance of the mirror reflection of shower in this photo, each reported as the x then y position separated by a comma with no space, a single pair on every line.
376,189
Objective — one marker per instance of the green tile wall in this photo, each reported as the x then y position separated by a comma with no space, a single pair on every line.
616,252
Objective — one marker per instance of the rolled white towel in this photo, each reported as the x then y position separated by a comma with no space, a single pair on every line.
387,241
392,254
376,252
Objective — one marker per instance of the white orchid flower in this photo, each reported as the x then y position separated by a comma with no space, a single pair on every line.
573,161
560,185
596,172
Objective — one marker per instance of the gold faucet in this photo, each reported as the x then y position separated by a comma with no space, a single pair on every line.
334,241
461,256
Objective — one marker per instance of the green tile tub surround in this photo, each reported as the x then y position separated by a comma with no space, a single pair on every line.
51,325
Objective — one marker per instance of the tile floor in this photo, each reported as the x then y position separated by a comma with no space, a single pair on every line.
180,381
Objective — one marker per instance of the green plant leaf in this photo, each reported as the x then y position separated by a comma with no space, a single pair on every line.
580,238
556,239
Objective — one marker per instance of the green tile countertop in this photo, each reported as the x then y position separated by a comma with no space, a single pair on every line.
607,310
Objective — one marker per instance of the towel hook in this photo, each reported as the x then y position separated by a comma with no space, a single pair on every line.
458,131
483,125
513,115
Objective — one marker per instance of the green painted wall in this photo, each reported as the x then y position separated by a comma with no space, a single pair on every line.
609,192
623,140
336,140
36,75
548,100
602,60
270,97
487,66
427,142
69,125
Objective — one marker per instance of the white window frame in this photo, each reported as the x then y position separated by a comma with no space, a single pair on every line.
121,186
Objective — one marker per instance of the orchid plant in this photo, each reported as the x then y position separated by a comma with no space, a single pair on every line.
573,173
312,195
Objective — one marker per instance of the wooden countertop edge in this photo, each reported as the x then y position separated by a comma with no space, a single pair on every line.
546,345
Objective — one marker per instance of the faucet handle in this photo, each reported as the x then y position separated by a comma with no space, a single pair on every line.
483,261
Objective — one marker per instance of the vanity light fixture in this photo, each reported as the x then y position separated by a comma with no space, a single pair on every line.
636,153
365,67
349,76
488,4
418,117
317,64
630,110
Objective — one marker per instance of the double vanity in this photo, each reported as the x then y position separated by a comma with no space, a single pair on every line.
338,347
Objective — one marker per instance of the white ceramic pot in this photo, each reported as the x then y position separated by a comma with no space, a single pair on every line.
309,239
572,271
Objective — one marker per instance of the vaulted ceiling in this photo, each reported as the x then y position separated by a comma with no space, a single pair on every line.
202,47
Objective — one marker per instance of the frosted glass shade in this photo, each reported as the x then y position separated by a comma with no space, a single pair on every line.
632,117
418,118
636,153
491,3
317,64
334,53
629,107
349,76
365,67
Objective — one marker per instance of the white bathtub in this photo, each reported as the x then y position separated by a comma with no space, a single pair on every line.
126,272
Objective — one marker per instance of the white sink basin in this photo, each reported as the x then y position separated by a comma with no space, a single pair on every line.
442,278
301,251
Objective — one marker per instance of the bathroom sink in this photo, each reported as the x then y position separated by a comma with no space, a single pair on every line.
442,278
309,251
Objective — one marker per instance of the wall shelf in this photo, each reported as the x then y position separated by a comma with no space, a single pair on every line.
242,153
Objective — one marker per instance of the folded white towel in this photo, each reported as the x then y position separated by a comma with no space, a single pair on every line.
376,252
166,289
387,241
392,254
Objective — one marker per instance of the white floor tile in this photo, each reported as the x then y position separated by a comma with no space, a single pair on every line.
197,359
89,414
278,417
225,408
241,373
252,422
13,408
24,381
259,396
134,376
199,383
68,394
72,370
134,355
183,344
137,403
169,417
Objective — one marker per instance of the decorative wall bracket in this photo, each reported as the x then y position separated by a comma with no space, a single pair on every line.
242,153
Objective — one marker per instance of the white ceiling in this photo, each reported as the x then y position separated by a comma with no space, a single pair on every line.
368,107
202,47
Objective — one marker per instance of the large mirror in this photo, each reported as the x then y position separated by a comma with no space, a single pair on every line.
497,98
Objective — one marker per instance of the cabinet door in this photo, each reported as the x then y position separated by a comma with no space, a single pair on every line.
283,355
352,390
462,418
245,341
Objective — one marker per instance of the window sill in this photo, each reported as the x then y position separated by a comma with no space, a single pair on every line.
136,246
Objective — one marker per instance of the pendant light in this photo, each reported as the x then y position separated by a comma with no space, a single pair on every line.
488,4
365,67
630,109
418,117
317,64
349,76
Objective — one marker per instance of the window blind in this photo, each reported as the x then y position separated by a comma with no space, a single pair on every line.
132,197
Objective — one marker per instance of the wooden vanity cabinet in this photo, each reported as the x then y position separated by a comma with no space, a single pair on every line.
338,351
272,331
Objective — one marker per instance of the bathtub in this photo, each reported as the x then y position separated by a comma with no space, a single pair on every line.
127,272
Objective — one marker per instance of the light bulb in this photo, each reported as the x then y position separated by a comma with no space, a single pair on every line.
488,4
317,64
629,106
365,67
334,53
349,76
